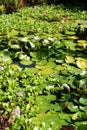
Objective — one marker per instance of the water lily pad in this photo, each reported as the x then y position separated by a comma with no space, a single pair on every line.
12,33
24,62
17,47
59,68
41,62
83,101
23,39
32,70
74,37
81,63
72,107
82,43
69,59
83,108
51,64
82,127
45,70
70,33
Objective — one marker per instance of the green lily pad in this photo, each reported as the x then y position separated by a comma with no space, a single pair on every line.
83,101
59,67
81,63
69,59
24,62
17,47
82,127
72,107
51,64
70,33
32,70
83,108
12,33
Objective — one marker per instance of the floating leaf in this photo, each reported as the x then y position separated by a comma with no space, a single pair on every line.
74,37
32,70
70,33
59,68
24,62
51,64
15,47
23,39
75,116
69,59
12,33
45,69
72,107
83,101
83,108
82,43
82,127
81,63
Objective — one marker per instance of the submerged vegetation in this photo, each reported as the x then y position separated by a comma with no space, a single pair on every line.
43,69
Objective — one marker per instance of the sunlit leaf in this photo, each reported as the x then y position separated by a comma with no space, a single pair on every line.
81,63
69,59
25,62
70,33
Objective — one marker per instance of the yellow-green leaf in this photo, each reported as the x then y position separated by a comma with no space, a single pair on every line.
69,59
81,63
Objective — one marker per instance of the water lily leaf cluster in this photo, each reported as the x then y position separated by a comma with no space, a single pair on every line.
43,68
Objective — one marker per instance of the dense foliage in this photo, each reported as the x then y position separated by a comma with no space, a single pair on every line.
43,69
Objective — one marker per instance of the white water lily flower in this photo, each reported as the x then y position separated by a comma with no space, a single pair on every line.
51,86
49,128
46,41
36,128
66,86
24,57
51,39
43,124
24,39
82,82
27,58
83,72
1,68
32,44
36,37
75,107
